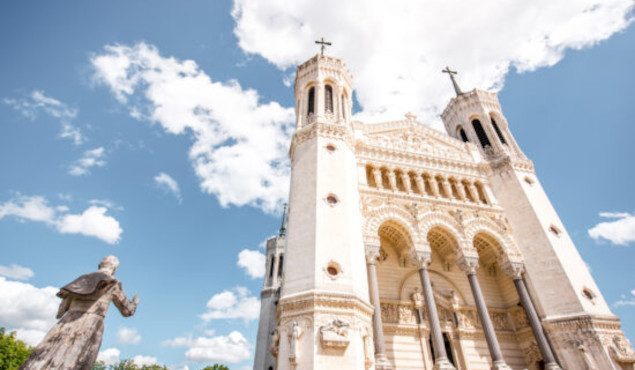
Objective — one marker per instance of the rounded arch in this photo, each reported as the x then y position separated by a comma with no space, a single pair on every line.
396,235
431,220
497,235
440,298
375,218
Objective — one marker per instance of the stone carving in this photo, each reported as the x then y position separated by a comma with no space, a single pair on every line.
467,319
407,315
587,358
335,334
275,342
622,350
73,343
417,297
389,313
499,319
294,337
368,347
520,318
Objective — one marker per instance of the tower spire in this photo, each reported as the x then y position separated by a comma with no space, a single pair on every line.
323,44
450,72
283,226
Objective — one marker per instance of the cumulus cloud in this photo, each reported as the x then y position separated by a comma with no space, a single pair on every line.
127,335
396,49
168,184
109,356
232,348
253,262
626,300
26,309
90,158
38,102
93,221
240,144
232,304
16,272
620,230
141,360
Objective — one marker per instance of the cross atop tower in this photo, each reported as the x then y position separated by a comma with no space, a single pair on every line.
450,72
323,45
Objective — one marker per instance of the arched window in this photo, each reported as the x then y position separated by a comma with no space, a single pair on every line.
311,105
498,132
328,99
463,135
480,133
273,261
343,106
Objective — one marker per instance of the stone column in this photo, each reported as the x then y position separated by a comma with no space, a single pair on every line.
378,180
392,179
461,190
441,361
406,182
434,186
473,192
534,320
446,187
420,183
381,361
470,265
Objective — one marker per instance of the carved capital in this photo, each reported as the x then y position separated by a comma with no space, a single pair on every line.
372,254
469,264
421,258
515,270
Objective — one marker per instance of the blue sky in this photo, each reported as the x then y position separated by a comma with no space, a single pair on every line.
94,162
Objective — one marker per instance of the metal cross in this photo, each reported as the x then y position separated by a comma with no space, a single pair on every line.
450,72
323,45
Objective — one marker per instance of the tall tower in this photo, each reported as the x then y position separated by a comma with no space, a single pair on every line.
325,291
575,316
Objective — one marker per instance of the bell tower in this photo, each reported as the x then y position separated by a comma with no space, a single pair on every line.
324,315
572,310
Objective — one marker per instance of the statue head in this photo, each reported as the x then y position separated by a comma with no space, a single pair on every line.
109,264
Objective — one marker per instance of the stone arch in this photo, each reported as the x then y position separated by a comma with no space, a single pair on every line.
431,220
403,294
375,218
508,250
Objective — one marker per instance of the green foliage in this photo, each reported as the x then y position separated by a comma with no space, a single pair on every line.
130,365
99,365
216,367
13,352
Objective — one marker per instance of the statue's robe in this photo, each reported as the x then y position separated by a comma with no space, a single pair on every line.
73,343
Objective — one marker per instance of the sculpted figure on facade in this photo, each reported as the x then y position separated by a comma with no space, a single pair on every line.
275,342
294,338
73,343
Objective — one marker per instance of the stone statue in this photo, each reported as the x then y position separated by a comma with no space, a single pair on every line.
275,342
294,337
73,343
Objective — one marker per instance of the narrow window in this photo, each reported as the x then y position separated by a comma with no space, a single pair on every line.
480,133
328,99
463,135
554,230
311,101
498,132
448,348
343,107
271,266
280,264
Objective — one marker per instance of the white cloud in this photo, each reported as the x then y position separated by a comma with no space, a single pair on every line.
619,231
26,309
93,221
232,348
127,335
396,49
109,356
168,184
240,144
141,360
626,300
72,133
253,262
38,102
236,304
16,272
90,158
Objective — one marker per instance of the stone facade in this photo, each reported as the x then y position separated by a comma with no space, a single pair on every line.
407,248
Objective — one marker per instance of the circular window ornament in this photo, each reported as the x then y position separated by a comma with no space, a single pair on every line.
588,294
333,270
330,147
331,200
529,180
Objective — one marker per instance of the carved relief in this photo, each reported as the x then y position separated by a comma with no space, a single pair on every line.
467,319
294,337
500,320
335,334
275,342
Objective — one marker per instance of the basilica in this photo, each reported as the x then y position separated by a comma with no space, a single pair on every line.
407,248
